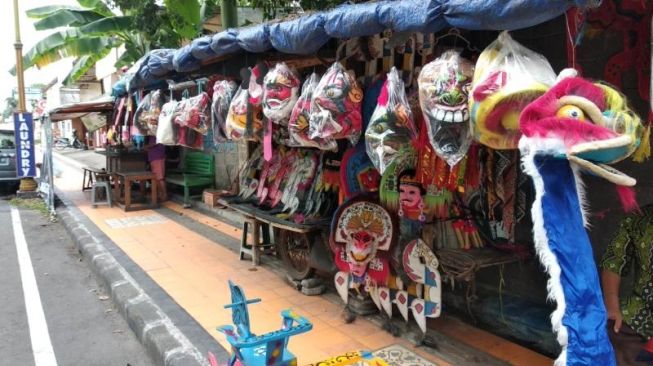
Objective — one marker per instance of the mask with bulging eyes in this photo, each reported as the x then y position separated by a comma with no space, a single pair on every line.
443,94
336,106
280,93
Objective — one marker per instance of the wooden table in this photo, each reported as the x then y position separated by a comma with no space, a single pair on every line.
124,161
122,191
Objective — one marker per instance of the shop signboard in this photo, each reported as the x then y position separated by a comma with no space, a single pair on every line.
24,132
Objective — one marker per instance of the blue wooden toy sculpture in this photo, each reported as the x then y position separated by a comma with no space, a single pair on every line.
268,349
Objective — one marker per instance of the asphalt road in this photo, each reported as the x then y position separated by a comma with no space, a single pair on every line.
82,325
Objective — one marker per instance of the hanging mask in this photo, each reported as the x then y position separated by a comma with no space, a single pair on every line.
443,90
236,121
280,93
358,174
223,91
255,83
507,77
298,125
336,106
362,232
391,127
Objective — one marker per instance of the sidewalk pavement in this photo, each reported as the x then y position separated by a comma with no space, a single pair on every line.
191,267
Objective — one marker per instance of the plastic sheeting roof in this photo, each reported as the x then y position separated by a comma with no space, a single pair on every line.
307,34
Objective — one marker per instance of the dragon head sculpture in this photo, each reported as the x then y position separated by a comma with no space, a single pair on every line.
588,123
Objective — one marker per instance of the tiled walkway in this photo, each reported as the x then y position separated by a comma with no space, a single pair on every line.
194,271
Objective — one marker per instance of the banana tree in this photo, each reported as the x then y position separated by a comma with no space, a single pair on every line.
91,30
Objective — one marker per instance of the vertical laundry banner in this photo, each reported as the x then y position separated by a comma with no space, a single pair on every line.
24,131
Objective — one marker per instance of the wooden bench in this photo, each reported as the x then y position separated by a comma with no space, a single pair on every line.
302,247
198,171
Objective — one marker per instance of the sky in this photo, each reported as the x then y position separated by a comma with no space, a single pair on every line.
29,37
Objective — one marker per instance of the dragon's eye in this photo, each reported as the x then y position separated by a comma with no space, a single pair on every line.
571,111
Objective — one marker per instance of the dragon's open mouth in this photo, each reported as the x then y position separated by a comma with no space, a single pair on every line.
591,156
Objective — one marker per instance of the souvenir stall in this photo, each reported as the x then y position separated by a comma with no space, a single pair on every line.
397,152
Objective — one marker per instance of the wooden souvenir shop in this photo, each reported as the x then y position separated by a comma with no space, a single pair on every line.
386,160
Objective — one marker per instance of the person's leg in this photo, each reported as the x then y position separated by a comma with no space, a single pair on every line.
158,168
163,192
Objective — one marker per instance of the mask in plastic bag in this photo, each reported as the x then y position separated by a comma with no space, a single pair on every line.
508,76
223,91
298,125
236,121
280,93
146,117
443,91
254,121
166,133
391,127
195,113
254,81
336,106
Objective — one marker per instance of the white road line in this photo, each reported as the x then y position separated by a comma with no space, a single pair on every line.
38,327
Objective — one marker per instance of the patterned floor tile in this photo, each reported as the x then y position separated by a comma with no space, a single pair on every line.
397,355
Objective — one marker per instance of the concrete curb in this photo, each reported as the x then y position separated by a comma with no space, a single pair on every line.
164,342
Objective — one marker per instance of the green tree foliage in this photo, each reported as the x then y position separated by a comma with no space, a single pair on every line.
91,30
274,8
11,104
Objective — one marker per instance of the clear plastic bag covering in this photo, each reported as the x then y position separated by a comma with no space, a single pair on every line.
167,131
254,121
298,125
194,113
280,93
336,106
146,117
223,91
236,121
443,95
190,138
508,77
391,127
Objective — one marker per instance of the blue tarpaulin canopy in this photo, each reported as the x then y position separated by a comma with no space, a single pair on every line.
307,34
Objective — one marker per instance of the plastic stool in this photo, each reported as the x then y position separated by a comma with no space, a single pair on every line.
94,192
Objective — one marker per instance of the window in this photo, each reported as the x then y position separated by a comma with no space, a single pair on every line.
7,140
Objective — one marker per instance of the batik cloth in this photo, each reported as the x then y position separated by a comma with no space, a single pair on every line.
633,247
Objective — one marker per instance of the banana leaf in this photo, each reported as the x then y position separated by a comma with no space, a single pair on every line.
67,17
188,11
83,64
108,26
97,5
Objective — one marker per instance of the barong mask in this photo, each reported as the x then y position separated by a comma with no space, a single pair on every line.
362,230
